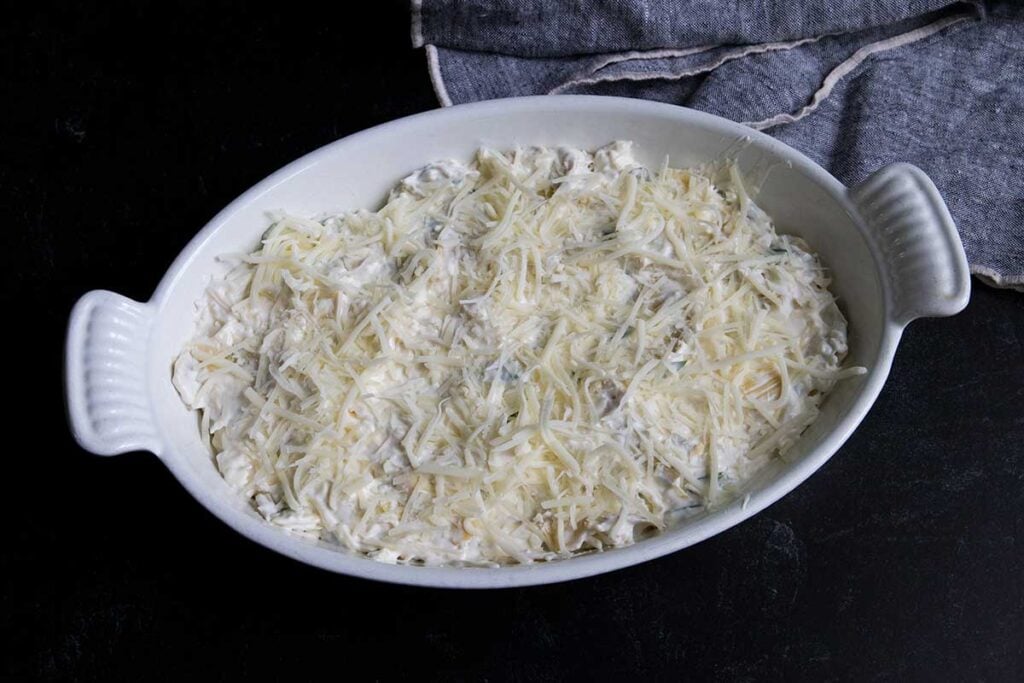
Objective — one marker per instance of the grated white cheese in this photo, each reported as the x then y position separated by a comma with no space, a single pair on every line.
540,353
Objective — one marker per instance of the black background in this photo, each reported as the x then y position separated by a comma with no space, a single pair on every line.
125,128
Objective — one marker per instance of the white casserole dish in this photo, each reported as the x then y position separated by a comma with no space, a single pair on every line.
890,242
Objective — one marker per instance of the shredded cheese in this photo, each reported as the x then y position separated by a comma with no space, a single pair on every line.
540,353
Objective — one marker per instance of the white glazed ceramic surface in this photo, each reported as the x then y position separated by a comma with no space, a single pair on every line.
890,243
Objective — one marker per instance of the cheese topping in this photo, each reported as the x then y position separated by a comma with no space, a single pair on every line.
541,353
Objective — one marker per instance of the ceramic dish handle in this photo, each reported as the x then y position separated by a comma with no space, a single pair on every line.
105,378
917,240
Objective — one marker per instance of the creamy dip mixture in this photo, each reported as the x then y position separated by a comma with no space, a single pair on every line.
543,352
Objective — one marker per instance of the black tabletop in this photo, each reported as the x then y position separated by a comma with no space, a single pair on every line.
124,130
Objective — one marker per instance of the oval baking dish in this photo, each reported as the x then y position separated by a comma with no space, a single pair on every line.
890,243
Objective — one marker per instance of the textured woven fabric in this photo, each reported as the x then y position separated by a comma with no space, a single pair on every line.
854,85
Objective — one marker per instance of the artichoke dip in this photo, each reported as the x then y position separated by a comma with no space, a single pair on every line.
543,352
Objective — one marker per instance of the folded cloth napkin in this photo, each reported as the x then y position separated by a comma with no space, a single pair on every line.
852,84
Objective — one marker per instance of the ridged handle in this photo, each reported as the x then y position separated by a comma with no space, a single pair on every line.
105,375
917,239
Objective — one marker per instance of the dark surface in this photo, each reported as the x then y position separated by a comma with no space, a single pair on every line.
123,132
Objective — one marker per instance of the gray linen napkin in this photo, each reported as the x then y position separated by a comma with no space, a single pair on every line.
852,84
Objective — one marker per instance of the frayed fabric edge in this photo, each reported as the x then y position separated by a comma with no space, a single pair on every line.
611,58
416,27
436,79
848,65
745,51
994,279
